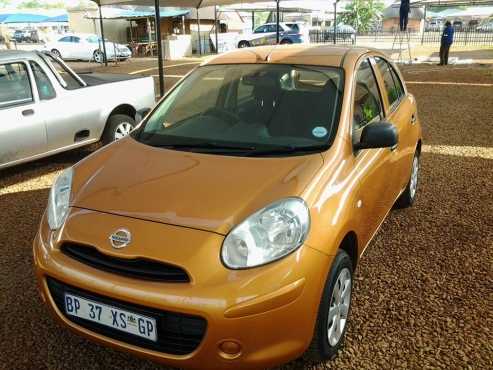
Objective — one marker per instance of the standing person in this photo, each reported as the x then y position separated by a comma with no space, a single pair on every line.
446,42
404,14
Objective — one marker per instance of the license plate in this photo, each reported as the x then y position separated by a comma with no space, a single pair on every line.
115,318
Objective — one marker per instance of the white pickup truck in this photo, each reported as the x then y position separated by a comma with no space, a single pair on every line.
46,108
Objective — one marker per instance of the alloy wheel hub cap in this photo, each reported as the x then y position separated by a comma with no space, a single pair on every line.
339,307
122,130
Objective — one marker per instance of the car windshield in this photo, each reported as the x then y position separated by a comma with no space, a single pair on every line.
249,109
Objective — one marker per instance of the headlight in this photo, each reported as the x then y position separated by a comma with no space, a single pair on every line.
58,201
267,235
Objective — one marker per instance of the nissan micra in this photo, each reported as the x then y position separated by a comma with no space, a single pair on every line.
225,231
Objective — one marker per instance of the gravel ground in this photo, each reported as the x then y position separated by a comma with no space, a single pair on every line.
423,295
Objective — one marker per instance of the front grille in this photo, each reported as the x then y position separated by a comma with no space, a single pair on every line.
138,268
178,334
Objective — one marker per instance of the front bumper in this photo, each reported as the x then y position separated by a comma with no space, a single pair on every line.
269,312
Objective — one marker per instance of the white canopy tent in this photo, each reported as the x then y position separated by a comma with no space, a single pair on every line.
197,4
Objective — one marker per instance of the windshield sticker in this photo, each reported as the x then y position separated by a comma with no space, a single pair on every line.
319,132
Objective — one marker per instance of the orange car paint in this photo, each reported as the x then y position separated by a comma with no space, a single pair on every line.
179,215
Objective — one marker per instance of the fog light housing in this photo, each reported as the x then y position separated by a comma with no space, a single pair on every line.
229,349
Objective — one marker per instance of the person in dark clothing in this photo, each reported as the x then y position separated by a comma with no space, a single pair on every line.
446,42
404,14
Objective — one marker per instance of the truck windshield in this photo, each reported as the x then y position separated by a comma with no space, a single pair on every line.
248,110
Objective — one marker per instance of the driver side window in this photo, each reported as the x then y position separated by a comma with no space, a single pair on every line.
367,106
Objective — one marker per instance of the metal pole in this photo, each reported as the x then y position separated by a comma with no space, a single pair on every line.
216,28
198,28
278,11
159,47
102,36
335,20
253,20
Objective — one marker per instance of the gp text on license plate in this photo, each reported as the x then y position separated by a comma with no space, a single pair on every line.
113,317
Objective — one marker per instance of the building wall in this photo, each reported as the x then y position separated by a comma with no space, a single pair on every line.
392,24
114,29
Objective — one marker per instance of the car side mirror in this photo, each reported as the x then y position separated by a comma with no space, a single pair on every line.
139,116
378,135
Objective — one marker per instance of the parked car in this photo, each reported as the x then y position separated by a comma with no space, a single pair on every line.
486,26
343,31
80,46
267,35
46,108
224,232
24,35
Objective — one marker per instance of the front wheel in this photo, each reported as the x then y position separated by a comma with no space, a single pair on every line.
333,312
56,53
118,126
243,44
98,56
409,195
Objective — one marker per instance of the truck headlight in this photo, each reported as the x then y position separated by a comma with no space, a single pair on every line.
268,235
58,201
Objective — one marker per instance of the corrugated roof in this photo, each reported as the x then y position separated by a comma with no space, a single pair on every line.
31,18
119,13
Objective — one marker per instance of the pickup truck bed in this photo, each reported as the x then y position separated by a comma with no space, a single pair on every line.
94,79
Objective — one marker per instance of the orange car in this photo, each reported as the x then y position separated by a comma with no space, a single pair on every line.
224,232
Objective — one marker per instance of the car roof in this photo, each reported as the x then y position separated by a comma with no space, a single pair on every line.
6,55
321,55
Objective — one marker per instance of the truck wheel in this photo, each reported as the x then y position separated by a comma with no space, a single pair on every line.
56,53
243,44
98,56
333,312
118,126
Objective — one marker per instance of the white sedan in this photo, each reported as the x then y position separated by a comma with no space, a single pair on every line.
85,46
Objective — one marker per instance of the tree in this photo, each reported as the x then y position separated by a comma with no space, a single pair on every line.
39,4
362,14
4,4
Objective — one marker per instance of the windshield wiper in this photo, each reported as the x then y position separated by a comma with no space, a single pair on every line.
208,146
287,150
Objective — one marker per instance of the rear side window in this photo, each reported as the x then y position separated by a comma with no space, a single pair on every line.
65,39
367,104
45,88
393,85
71,82
15,87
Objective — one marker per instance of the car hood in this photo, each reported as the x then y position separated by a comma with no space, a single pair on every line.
201,191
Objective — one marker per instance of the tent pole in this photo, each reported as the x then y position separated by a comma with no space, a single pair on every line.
198,28
216,28
278,11
105,59
159,47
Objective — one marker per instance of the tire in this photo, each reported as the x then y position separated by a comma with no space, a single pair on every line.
98,56
56,53
117,127
243,44
408,197
324,346
286,42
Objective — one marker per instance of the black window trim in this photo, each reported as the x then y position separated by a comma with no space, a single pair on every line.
22,102
382,110
37,87
395,105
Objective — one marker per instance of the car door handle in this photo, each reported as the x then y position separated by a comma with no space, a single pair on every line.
27,112
413,119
